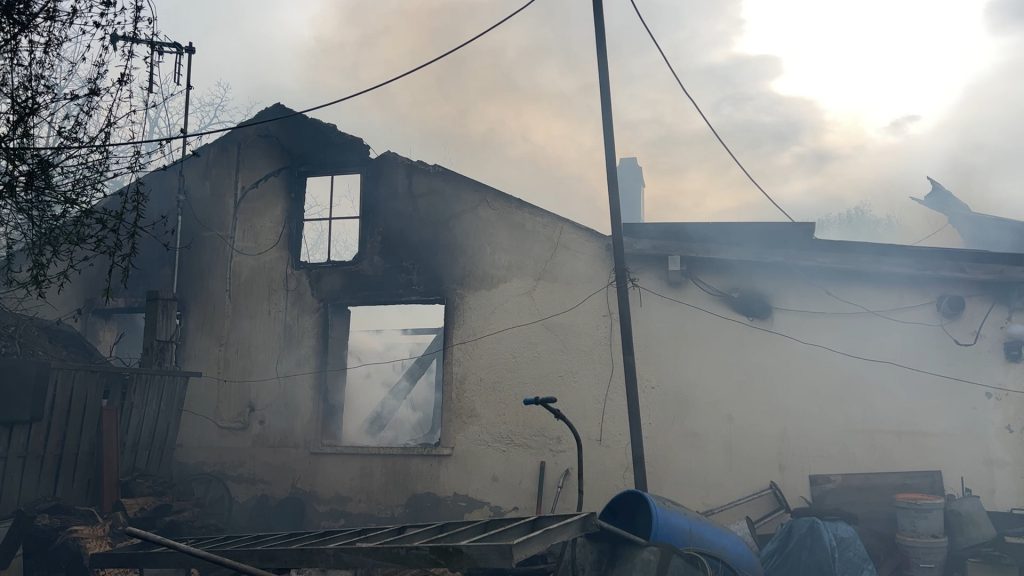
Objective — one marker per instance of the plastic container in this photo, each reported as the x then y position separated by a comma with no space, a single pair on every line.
920,515
662,521
922,556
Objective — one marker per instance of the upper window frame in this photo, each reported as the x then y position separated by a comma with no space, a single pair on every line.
300,219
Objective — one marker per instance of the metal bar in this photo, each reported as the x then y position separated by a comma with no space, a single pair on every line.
327,539
498,530
247,543
778,494
374,532
196,553
564,531
375,538
737,502
330,218
586,519
416,536
300,536
540,489
243,540
636,434
270,541
204,541
622,533
768,517
445,538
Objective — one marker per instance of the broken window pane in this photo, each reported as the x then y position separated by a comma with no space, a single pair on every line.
397,403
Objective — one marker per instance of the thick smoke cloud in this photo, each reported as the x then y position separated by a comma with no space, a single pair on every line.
519,109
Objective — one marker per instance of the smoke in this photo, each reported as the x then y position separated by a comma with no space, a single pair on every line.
381,334
519,109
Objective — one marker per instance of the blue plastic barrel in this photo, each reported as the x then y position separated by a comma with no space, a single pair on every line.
662,521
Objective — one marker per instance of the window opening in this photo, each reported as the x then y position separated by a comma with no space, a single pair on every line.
397,403
330,219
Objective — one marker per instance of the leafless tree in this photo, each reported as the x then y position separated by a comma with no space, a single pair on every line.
67,95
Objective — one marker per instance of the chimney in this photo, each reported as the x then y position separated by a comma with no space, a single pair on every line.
631,190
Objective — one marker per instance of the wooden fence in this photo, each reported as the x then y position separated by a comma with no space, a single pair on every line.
58,455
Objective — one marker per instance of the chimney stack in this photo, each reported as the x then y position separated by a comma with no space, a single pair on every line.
631,190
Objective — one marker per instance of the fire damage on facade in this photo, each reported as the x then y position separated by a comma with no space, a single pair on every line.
352,337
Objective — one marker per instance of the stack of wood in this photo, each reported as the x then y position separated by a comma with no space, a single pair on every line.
61,537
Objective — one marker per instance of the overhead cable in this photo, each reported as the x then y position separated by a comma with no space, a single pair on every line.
291,114
940,229
704,116
410,358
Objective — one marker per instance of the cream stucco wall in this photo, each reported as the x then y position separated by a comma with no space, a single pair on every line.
726,408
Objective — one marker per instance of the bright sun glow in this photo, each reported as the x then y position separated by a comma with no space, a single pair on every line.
874,61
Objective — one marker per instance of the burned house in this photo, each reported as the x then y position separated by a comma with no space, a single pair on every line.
367,327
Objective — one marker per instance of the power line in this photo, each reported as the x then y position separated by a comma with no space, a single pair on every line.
427,353
704,117
291,114
940,229
713,290
870,311
833,350
855,312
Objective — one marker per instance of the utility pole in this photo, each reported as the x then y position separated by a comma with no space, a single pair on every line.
178,50
636,433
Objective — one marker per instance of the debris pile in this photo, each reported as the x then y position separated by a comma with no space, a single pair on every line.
60,537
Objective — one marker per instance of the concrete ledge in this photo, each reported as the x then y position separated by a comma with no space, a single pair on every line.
385,450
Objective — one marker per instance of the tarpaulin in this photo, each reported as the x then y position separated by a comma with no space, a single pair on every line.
816,548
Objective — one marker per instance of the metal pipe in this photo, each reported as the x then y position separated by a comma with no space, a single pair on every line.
196,553
540,488
622,533
559,415
636,433
545,402
190,50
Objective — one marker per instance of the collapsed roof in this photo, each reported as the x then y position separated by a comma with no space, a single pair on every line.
978,231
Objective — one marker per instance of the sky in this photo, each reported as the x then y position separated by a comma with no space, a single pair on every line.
830,105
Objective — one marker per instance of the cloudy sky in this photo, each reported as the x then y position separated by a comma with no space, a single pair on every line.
830,105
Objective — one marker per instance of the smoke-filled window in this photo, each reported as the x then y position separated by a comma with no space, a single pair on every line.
330,219
118,334
393,382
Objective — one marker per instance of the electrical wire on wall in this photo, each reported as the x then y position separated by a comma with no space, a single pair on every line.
409,358
977,332
831,349
712,290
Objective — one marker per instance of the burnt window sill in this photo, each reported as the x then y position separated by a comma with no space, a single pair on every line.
385,450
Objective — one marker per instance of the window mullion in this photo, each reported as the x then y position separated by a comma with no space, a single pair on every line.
330,219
